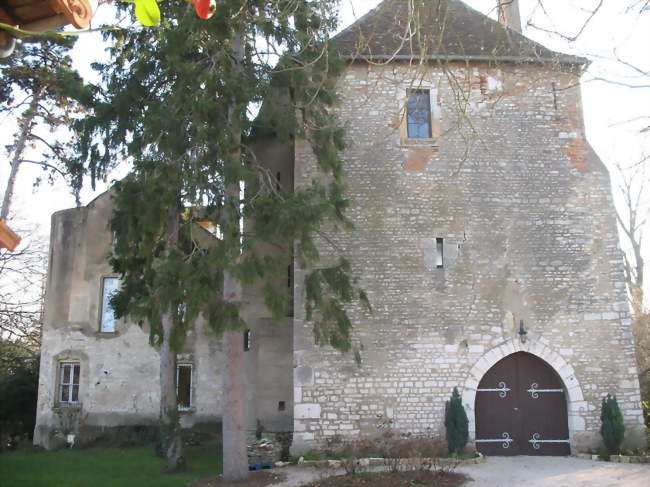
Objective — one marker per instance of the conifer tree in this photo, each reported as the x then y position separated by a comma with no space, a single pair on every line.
612,428
456,424
176,103
38,79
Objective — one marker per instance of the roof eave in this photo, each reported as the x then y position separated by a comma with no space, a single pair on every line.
570,60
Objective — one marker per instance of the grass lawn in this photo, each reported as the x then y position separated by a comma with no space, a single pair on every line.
104,467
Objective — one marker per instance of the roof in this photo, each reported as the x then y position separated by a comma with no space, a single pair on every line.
448,30
41,15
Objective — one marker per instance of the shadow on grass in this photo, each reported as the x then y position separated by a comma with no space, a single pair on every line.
105,467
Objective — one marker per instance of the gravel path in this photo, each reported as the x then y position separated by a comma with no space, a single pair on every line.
297,476
524,472
555,472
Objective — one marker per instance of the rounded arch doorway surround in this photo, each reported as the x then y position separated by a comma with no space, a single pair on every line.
521,409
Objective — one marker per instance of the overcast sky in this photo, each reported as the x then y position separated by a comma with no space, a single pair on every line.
608,106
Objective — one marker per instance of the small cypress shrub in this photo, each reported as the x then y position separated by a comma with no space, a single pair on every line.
612,428
456,424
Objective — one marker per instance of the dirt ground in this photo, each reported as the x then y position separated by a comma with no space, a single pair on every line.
495,472
399,479
261,478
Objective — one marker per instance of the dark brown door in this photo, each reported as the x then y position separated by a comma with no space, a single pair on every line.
521,409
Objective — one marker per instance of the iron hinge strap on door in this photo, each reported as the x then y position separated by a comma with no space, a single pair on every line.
505,441
502,390
536,441
534,391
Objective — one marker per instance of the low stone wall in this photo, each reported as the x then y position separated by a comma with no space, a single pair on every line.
381,462
123,435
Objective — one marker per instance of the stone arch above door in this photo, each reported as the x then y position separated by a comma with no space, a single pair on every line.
577,406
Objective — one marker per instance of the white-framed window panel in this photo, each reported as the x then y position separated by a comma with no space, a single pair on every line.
184,386
107,320
69,373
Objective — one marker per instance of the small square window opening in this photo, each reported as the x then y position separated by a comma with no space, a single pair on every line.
282,406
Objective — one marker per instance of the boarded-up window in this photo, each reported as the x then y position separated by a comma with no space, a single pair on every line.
110,285
418,114
69,382
184,385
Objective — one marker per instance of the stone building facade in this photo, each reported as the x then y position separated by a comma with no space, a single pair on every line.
488,241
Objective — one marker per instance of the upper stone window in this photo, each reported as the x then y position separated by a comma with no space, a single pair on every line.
418,114
107,320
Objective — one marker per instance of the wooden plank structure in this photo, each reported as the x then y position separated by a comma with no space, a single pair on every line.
8,238
41,15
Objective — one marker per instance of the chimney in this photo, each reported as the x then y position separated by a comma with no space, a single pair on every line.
509,14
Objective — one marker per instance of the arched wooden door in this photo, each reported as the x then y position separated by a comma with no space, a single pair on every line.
521,409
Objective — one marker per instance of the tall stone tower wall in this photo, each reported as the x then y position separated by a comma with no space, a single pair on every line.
524,210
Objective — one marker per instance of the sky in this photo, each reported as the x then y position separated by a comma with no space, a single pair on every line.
614,102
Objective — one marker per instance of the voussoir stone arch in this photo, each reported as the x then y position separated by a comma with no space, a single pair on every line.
576,405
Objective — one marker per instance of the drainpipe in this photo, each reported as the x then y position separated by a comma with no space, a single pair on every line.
509,14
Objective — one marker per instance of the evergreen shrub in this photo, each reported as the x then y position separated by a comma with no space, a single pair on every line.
456,424
612,428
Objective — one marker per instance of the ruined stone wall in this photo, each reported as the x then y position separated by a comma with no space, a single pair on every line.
525,210
119,384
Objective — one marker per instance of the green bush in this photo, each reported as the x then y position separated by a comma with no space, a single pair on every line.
456,424
612,428
18,393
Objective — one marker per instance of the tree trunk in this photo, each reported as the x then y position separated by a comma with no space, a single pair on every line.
25,132
235,458
170,441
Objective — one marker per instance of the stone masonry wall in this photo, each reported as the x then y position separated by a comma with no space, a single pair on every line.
525,210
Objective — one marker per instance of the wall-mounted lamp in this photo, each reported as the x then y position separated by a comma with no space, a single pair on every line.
522,331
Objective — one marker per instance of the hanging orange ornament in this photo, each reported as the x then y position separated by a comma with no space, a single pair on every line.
205,8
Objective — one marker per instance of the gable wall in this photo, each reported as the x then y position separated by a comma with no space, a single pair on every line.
525,210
